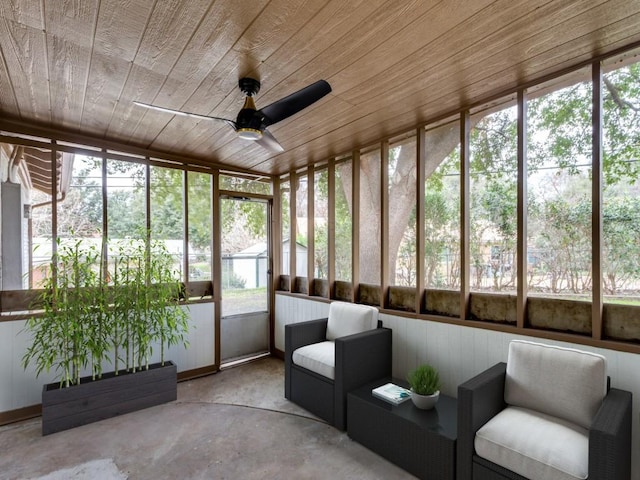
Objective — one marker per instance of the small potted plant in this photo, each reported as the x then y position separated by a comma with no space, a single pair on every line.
425,386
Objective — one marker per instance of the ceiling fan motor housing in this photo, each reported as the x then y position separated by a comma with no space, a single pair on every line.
249,122
249,86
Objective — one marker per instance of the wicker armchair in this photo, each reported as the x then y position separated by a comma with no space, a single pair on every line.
327,358
558,395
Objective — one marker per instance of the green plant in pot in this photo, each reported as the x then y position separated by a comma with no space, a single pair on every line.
425,386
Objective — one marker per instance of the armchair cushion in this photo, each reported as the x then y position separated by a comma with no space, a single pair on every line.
555,448
348,318
561,382
317,357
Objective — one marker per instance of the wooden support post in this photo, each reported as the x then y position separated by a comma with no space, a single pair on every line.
421,156
521,254
355,225
465,229
384,223
597,308
331,220
311,231
216,258
293,227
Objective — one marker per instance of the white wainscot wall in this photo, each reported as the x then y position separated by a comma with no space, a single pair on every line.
460,353
20,388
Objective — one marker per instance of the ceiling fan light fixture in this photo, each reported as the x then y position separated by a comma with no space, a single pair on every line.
249,133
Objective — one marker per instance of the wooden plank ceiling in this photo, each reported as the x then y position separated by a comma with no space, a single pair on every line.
79,65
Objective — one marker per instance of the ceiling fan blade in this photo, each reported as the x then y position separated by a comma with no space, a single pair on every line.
269,142
292,104
185,114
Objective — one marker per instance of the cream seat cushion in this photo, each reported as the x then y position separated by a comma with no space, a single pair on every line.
317,357
535,445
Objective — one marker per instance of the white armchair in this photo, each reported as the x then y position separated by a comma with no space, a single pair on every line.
327,358
547,414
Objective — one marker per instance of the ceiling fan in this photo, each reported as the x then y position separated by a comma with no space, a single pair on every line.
251,124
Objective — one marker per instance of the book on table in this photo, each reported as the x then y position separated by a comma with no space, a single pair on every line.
391,393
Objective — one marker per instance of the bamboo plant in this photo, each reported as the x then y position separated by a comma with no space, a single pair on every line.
88,318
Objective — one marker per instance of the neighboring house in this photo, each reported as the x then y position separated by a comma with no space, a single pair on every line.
301,259
23,170
251,264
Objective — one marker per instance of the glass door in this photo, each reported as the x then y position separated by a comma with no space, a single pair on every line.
246,279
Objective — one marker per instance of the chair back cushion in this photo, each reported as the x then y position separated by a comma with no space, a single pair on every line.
562,382
349,318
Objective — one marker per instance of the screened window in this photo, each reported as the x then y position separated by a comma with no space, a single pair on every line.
402,212
200,220
621,189
559,188
493,198
285,223
343,219
370,211
321,224
302,231
126,210
167,213
442,207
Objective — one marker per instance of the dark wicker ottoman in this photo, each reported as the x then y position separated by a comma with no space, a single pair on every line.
421,442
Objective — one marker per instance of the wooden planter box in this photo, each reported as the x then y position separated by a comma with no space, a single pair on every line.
112,395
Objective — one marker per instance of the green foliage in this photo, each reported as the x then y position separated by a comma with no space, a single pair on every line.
285,209
424,380
621,225
564,245
243,216
560,126
321,254
81,212
167,213
442,220
126,212
343,228
199,186
65,335
441,239
493,146
621,126
85,321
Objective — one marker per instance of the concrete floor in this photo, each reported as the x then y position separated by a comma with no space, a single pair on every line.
235,424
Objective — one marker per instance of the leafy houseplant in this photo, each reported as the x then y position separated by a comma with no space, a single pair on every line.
92,315
425,386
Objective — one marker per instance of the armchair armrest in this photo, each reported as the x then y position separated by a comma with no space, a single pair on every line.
298,335
360,358
363,357
479,400
610,437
